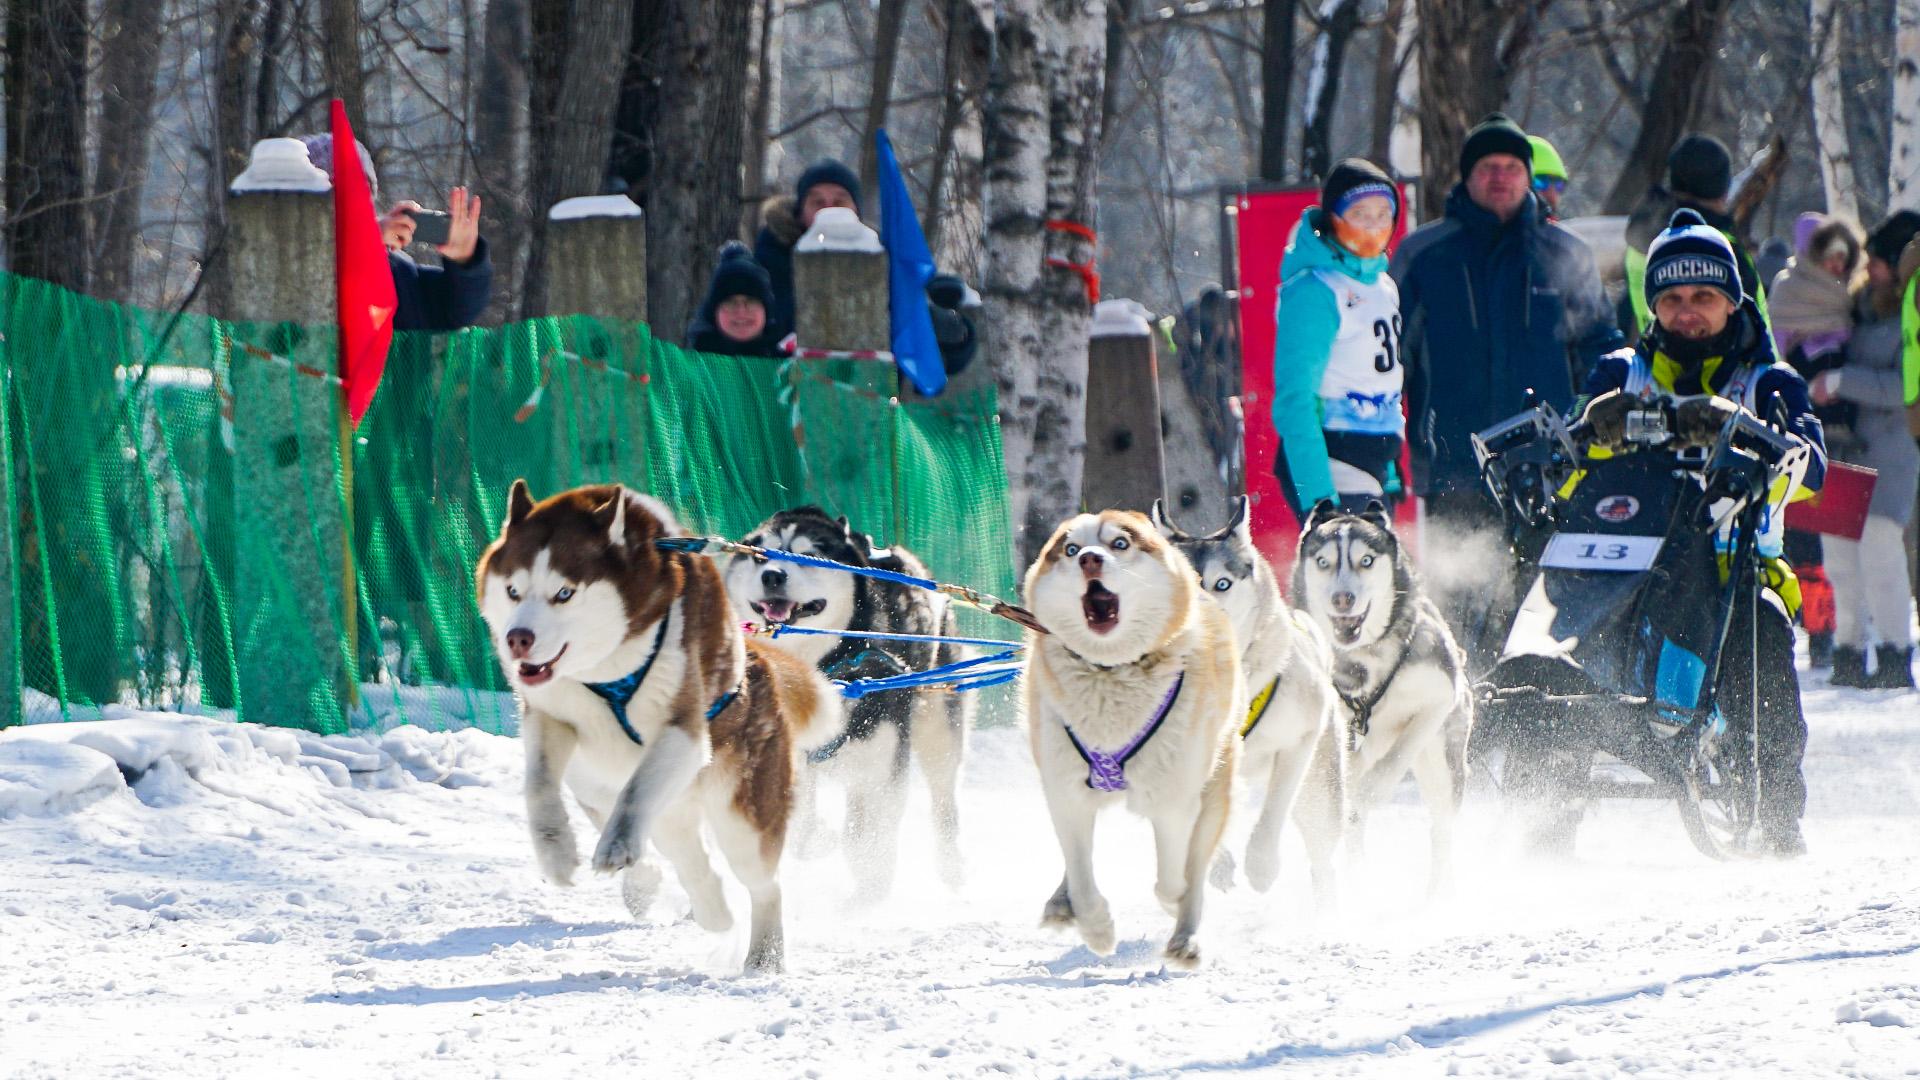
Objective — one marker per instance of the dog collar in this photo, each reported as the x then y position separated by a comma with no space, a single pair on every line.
1108,771
1361,706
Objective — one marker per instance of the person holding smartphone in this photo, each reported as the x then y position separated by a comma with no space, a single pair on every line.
450,296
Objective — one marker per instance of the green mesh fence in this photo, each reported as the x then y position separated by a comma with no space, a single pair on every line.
182,526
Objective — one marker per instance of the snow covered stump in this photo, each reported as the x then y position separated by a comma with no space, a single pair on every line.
1124,465
291,563
840,285
597,258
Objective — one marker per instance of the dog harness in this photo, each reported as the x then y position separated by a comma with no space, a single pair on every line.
1258,709
1362,707
825,752
620,692
1108,771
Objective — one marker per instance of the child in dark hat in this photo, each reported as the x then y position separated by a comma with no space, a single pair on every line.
733,318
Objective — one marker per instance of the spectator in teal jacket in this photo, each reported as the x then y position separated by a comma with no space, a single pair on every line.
1336,356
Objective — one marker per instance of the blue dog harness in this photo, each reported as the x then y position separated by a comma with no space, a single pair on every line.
620,692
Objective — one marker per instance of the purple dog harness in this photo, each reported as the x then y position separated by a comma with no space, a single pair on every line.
1108,771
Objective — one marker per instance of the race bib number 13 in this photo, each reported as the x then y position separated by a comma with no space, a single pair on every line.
1597,551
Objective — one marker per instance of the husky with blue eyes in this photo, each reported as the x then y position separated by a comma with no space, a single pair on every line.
1288,741
1397,672
1134,698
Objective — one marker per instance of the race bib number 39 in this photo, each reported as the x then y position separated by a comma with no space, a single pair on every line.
1597,551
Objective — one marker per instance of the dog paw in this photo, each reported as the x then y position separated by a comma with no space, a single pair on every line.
765,959
1183,953
638,886
557,855
1058,914
1221,876
1097,932
615,852
1263,868
953,869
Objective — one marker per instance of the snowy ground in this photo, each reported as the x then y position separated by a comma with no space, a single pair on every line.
265,904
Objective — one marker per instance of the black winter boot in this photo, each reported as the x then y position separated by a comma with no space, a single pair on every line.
1820,649
1849,667
1895,668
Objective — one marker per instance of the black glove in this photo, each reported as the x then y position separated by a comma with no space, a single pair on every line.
1697,420
1606,419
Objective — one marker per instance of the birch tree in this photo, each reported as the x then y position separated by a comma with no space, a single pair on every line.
1903,174
1829,111
1043,135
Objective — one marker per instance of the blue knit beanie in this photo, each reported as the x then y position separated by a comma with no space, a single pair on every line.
1691,252
827,171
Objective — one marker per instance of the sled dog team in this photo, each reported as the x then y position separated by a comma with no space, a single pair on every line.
1172,667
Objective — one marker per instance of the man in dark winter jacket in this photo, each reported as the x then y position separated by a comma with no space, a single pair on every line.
733,318
1709,348
1494,302
1699,178
450,296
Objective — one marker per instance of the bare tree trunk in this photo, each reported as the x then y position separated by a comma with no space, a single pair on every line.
1673,98
1043,137
1276,83
1386,80
130,55
499,148
1903,174
266,89
1830,112
340,38
760,156
955,223
1339,19
231,73
698,63
1402,157
579,50
886,50
46,120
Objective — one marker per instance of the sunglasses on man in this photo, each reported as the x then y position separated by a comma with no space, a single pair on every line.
1553,184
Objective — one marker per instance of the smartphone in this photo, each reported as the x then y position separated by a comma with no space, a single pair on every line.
431,226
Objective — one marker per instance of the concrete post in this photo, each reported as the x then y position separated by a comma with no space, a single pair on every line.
1199,495
10,676
840,285
1123,466
597,266
291,560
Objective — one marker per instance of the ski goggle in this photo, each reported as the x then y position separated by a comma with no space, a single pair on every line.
1550,184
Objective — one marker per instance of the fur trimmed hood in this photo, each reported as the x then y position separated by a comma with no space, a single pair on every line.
780,215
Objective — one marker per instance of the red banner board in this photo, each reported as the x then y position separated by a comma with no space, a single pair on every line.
1262,223
1839,508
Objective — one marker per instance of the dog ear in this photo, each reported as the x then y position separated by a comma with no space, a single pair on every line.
1158,515
1322,512
1376,513
613,517
519,504
1241,524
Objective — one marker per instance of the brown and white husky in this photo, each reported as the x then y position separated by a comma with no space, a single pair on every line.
638,691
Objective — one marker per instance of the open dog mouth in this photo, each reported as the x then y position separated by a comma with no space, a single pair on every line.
1346,628
535,674
1101,606
784,612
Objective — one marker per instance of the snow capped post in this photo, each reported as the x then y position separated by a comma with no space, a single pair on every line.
840,285
1124,466
597,260
289,557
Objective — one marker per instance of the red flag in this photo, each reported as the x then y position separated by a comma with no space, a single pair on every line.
364,280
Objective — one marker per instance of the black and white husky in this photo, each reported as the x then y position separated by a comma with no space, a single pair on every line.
1397,670
869,758
1289,741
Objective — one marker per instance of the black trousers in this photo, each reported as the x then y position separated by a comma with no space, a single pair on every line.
1782,725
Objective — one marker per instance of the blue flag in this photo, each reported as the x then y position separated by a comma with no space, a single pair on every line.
909,268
